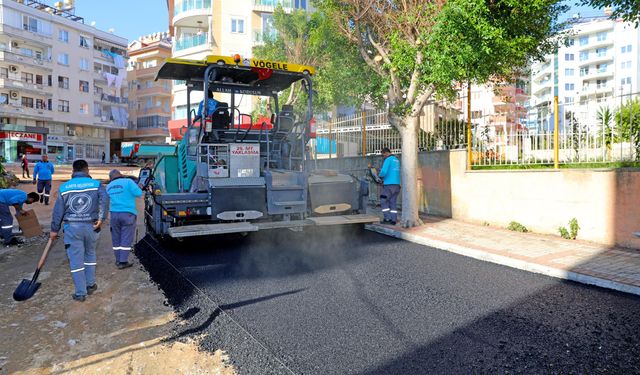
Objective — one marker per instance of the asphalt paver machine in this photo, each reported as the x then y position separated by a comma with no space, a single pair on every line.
234,174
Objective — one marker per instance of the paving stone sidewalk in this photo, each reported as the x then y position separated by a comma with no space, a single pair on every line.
581,261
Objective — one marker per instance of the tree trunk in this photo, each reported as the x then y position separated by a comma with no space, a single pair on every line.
409,166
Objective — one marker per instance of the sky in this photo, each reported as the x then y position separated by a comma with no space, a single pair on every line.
129,18
134,18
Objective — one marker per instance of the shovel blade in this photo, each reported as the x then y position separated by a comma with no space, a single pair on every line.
25,290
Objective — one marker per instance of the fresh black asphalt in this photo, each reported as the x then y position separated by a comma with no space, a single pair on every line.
348,301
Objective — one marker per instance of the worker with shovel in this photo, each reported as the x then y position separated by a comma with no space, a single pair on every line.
15,198
81,205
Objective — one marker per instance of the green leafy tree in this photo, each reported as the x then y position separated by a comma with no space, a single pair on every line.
628,10
627,119
422,48
310,39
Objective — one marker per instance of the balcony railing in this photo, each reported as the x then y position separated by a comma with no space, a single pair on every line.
191,41
189,5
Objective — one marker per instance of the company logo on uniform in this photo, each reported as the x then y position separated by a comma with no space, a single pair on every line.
80,203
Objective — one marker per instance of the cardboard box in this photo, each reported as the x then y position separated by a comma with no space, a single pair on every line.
29,224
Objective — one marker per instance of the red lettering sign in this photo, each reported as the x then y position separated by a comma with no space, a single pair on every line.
20,136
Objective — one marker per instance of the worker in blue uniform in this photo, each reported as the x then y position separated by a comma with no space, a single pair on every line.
43,173
80,209
122,192
212,104
390,174
15,198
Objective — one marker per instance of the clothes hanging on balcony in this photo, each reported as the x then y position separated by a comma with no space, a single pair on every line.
118,83
115,113
124,117
118,61
110,78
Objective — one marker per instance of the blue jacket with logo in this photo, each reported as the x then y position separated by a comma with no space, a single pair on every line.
390,171
212,104
43,169
9,197
80,200
122,195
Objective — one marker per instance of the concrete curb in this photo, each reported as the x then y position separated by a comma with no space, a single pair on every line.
506,261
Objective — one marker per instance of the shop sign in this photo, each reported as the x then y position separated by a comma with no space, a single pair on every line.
21,136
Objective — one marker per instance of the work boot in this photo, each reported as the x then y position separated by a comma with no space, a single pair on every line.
124,265
41,198
92,288
14,241
78,298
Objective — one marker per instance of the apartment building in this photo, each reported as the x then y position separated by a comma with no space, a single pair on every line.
597,64
61,83
205,27
149,100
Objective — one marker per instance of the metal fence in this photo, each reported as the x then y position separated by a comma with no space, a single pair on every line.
597,130
367,132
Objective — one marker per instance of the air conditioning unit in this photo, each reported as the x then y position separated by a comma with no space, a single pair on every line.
13,68
13,94
14,44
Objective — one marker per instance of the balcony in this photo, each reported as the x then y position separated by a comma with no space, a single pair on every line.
595,58
154,91
113,99
24,86
18,110
147,72
17,58
270,5
599,73
191,13
191,41
151,111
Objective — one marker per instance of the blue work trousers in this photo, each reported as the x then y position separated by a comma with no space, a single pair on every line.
44,189
388,202
123,231
81,240
6,223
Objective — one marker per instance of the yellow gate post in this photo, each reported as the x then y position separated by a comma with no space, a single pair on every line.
469,142
556,135
364,133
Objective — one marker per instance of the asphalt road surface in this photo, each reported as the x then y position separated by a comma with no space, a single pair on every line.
345,301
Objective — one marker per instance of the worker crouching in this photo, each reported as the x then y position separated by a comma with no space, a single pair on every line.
123,192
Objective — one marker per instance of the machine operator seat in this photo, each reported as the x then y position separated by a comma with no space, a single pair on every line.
220,122
286,118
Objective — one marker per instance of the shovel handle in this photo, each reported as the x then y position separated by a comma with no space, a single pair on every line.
45,253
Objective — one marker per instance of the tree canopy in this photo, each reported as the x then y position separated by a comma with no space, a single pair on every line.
310,39
628,10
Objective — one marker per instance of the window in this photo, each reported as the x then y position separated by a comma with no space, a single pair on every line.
601,83
569,86
38,79
602,68
63,82
97,67
568,100
149,64
36,25
63,36
27,102
625,65
50,80
570,42
601,36
97,90
626,49
84,41
27,77
584,56
84,64
568,72
237,25
63,105
84,86
114,70
584,40
63,59
4,98
601,52
41,104
625,81
476,114
568,57
26,52
84,109
4,73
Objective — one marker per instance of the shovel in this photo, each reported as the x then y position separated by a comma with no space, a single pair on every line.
28,288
